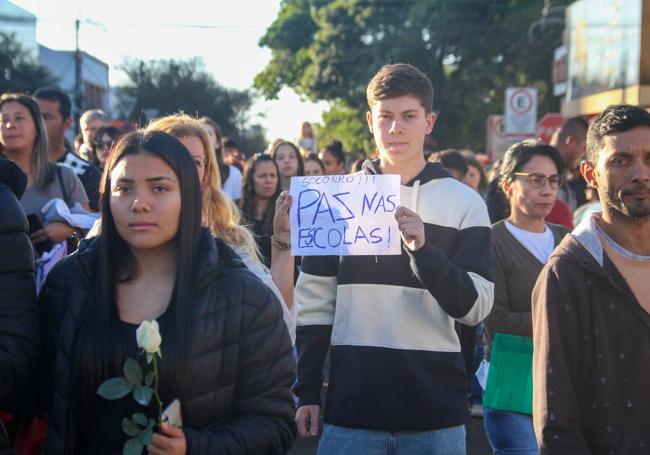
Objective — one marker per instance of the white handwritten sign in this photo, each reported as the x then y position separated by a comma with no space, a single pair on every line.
344,215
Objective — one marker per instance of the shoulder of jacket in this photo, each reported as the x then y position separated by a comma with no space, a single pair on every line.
568,257
12,217
62,273
451,191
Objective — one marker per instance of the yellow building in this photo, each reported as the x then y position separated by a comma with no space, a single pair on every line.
608,61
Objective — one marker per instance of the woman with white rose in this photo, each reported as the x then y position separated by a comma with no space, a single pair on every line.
225,352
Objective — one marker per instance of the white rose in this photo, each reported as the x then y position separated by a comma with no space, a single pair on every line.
148,337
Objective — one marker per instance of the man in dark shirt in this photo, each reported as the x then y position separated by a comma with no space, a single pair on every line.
56,111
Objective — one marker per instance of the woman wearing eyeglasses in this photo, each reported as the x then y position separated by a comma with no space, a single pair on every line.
106,137
521,244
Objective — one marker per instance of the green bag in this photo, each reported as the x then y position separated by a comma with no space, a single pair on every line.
510,378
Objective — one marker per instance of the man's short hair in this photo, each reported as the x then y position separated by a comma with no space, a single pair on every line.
400,79
616,118
451,159
93,114
55,94
575,126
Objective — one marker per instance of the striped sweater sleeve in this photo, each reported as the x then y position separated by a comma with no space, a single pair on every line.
315,299
461,282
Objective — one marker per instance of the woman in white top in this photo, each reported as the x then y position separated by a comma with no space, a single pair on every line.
531,173
231,178
307,138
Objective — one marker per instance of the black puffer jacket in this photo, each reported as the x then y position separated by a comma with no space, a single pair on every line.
238,399
19,334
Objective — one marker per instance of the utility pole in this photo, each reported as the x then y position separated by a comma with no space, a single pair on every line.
78,97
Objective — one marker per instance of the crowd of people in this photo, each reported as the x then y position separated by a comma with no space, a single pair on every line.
547,250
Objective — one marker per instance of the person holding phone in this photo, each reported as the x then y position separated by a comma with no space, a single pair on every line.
227,355
23,139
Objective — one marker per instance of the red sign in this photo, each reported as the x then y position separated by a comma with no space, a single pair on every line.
496,142
547,126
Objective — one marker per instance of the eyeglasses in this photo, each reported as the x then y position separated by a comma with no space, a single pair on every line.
102,144
538,180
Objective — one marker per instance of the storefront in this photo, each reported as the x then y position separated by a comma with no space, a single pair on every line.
608,55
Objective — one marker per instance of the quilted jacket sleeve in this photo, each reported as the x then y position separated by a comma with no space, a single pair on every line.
263,404
19,334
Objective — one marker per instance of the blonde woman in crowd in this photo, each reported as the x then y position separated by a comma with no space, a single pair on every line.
230,175
222,216
307,138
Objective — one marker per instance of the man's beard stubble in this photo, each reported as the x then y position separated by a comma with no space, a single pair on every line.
614,200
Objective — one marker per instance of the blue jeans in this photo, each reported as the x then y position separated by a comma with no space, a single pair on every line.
341,440
510,433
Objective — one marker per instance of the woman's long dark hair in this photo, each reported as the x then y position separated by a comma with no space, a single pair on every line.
301,163
248,196
96,354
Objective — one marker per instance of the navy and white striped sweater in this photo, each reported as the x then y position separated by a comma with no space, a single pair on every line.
395,356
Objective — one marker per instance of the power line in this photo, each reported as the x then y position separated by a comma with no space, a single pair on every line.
95,23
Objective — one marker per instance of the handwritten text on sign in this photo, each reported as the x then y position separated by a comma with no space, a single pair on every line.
344,215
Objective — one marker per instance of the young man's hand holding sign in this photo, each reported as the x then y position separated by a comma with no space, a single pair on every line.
412,228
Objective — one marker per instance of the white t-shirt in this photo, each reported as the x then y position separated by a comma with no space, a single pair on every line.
232,185
308,143
540,244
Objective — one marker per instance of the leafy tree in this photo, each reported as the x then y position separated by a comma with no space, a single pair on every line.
19,70
162,87
471,50
347,125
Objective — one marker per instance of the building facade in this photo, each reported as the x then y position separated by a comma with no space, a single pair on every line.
607,55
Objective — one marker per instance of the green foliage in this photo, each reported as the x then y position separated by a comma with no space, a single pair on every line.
140,419
140,427
132,447
142,395
132,371
471,50
19,70
130,427
348,125
140,437
115,388
163,87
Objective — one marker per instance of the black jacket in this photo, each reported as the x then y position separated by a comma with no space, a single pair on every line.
237,398
19,334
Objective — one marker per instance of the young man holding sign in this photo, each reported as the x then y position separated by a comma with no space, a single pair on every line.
397,376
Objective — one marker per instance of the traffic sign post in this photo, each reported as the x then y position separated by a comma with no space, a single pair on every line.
521,112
